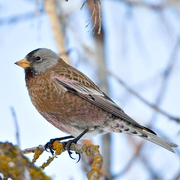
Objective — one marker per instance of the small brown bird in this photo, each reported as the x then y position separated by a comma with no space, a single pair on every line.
70,101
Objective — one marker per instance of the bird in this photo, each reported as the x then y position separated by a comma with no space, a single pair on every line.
71,102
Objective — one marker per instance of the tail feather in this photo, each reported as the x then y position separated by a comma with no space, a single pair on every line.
141,131
157,140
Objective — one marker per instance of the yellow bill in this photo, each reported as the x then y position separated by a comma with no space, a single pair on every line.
24,63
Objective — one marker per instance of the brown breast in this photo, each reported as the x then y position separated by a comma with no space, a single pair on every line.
42,91
64,107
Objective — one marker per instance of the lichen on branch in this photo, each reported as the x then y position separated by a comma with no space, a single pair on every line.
16,166
87,149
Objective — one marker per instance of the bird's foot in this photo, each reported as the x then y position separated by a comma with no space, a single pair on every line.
67,145
49,145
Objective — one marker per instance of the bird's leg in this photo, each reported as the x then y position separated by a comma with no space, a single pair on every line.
75,140
49,145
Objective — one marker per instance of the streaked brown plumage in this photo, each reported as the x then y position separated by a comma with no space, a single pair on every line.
72,102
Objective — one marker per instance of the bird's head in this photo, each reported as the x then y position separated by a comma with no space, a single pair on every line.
38,60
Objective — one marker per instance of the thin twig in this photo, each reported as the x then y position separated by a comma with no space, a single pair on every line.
129,163
16,125
96,10
19,161
153,173
153,106
177,177
32,150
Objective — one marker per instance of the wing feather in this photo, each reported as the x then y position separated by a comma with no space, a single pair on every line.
94,96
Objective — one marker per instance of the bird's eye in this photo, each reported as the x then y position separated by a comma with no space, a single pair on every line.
37,58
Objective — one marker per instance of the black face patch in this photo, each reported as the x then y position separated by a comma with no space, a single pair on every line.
29,73
31,54
30,57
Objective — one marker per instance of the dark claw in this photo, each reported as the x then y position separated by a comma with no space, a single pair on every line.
70,153
49,145
79,158
46,147
67,146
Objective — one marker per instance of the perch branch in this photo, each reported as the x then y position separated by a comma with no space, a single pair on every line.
87,149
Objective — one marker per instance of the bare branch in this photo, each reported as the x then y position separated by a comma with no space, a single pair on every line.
56,28
153,106
177,177
129,163
16,126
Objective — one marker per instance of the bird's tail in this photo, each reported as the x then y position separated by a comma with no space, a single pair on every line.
141,131
152,137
